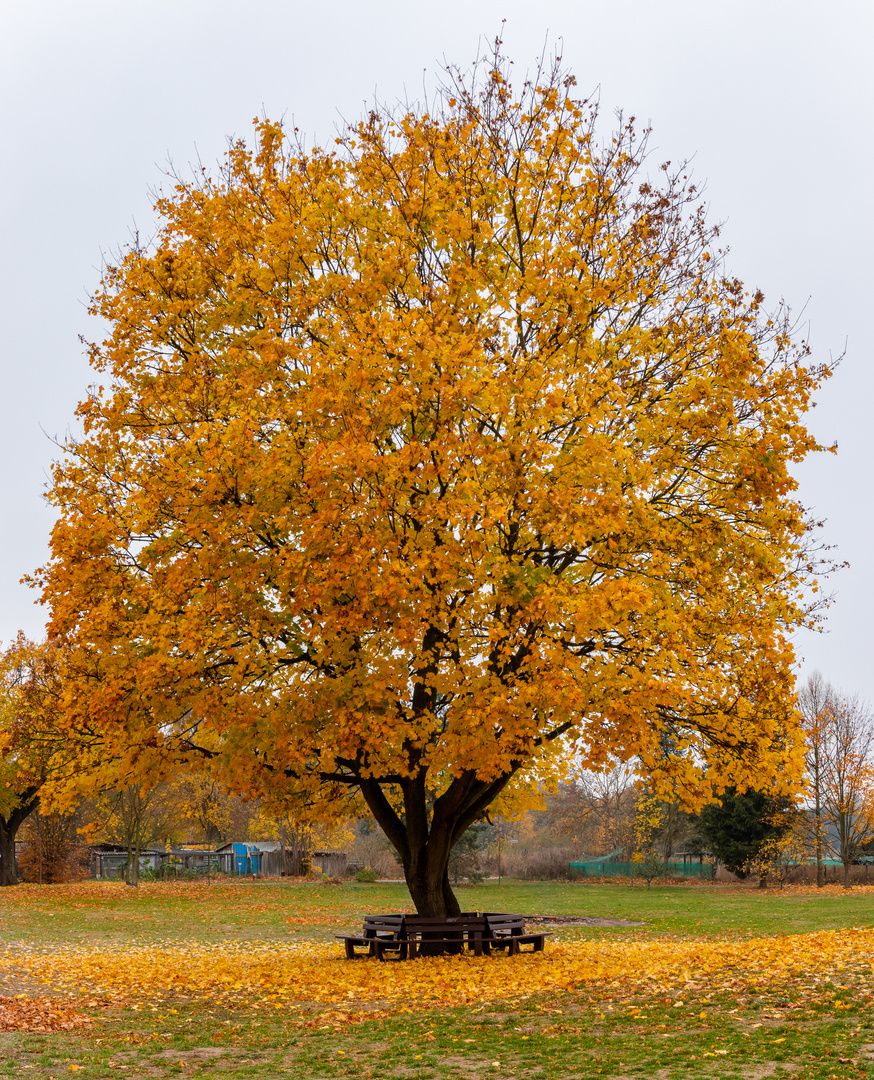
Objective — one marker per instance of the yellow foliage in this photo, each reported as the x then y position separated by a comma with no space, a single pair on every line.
430,459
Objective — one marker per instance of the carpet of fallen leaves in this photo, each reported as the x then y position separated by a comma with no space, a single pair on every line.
39,1014
26,895
293,976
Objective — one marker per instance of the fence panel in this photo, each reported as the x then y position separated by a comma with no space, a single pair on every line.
630,869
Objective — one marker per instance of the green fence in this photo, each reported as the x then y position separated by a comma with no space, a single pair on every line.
630,869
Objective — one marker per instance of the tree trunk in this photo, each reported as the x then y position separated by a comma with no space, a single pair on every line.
129,865
763,881
8,831
136,867
7,854
431,891
847,870
426,834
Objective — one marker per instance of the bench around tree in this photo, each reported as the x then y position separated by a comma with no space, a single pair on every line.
412,935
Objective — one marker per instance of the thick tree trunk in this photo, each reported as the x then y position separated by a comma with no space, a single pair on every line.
427,832
7,854
848,867
9,827
430,889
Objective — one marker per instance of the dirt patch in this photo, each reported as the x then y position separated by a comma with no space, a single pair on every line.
199,1053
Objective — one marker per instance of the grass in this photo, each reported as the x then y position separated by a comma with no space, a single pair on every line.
672,1026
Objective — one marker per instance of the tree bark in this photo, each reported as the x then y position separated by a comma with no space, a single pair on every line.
7,854
9,827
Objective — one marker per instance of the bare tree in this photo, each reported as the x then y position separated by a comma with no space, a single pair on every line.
597,809
135,818
813,703
840,764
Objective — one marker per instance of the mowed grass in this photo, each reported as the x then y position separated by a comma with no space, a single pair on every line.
673,1023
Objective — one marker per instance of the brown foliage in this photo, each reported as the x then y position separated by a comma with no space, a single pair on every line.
54,851
38,1014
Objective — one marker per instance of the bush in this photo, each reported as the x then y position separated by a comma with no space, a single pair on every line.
367,874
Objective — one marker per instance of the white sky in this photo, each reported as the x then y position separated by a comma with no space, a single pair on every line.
773,99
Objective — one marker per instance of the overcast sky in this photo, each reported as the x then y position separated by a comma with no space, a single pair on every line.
772,99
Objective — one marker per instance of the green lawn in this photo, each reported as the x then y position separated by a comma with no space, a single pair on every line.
792,1028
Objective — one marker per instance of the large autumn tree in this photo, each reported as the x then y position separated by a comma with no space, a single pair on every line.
422,458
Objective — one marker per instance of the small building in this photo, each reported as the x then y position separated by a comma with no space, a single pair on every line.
331,863
262,857
199,860
108,861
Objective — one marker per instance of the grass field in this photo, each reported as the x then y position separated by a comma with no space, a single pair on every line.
242,979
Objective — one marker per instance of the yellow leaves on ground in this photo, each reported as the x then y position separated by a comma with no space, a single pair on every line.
199,894
278,976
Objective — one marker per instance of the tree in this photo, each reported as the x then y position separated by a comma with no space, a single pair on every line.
32,747
419,462
464,859
53,851
135,817
743,825
207,805
840,765
649,855
813,704
299,838
597,809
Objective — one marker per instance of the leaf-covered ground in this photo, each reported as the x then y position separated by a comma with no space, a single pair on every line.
695,992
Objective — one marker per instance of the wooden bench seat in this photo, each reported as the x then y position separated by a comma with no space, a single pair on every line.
382,933
507,931
450,934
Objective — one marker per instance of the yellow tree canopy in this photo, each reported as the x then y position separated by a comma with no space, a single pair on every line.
420,454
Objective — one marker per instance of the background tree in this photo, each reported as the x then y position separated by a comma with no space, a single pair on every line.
743,824
846,734
135,818
423,460
839,757
54,849
782,853
300,838
813,703
648,847
215,815
596,808
466,855
33,749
